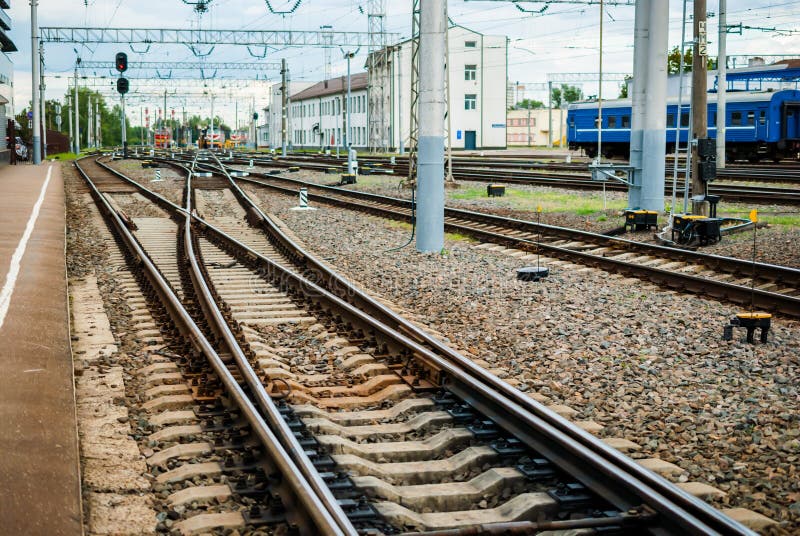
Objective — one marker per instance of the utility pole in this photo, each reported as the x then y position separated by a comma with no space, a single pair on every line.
529,122
98,123
89,129
347,141
699,101
124,129
284,92
430,170
550,113
37,128
42,100
77,107
641,46
722,82
71,132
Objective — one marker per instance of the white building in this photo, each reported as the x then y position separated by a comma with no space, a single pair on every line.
478,102
478,68
269,131
319,113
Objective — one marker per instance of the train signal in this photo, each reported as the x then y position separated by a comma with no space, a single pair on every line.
255,116
122,62
122,85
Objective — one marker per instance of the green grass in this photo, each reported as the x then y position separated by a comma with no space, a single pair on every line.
63,156
779,218
582,204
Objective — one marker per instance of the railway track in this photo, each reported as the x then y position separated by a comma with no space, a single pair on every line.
571,176
776,288
406,433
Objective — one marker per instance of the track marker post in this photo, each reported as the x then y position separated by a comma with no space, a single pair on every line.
303,201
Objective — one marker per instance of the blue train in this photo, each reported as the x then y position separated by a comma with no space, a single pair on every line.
760,125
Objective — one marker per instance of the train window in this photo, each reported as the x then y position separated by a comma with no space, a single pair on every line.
612,122
762,117
736,118
626,121
596,122
670,120
685,119
571,122
751,118
712,119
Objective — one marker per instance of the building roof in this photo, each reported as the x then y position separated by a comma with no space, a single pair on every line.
333,86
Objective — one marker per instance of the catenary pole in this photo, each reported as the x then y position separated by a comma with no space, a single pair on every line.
284,111
430,170
37,128
77,109
699,101
654,134
641,45
722,81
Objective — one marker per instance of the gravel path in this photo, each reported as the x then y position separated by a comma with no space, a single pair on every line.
649,365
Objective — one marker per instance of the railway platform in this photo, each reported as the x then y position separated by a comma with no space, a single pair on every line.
39,464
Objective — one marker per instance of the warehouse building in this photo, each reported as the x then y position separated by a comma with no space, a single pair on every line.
532,127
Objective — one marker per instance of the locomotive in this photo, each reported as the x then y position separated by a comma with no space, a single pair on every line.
759,125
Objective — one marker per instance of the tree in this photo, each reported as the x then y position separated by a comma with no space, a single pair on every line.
566,94
623,87
532,104
674,61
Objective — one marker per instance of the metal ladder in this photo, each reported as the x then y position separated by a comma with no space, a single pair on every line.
687,150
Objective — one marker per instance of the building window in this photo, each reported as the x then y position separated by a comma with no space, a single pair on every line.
470,101
470,44
470,72
736,118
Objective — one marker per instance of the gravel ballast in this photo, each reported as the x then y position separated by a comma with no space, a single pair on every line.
650,365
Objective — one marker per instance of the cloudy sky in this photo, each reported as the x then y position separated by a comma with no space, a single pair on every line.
563,38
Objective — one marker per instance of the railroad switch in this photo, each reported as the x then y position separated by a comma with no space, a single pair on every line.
293,169
348,178
495,190
641,220
331,171
750,322
693,229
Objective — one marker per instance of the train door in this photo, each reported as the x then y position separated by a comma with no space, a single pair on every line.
790,121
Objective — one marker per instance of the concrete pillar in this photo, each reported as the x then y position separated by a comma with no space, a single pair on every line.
641,45
37,127
722,82
654,133
430,167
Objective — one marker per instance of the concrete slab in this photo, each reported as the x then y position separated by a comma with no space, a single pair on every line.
39,468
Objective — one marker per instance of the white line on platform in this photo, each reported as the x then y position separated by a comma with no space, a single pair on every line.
16,258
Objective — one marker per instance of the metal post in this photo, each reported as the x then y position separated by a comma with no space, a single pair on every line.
42,100
654,133
89,129
98,125
124,129
347,141
529,123
284,92
430,171
71,132
77,108
37,128
722,82
641,46
599,91
699,99
678,126
550,113
211,144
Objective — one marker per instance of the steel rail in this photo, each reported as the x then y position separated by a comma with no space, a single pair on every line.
316,519
771,301
354,295
576,452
